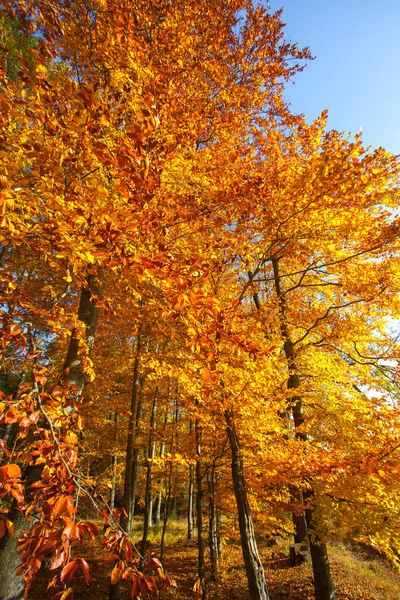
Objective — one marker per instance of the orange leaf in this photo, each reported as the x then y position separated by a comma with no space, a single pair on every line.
10,472
61,505
68,571
197,589
18,495
116,573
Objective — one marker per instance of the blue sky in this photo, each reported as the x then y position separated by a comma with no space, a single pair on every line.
356,71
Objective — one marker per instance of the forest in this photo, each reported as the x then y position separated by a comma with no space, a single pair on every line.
199,306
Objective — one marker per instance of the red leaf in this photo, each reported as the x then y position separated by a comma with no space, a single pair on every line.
3,446
154,564
105,515
128,573
135,591
85,568
147,586
68,571
167,584
3,528
111,558
59,557
90,529
72,531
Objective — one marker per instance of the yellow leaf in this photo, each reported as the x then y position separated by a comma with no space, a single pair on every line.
72,438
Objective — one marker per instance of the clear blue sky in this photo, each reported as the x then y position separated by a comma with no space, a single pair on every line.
356,71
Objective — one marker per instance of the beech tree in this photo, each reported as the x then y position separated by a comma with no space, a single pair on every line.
237,270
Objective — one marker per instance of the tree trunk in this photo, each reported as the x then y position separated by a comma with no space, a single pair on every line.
114,464
323,584
161,481
128,500
254,569
190,494
299,521
199,513
212,527
88,313
148,507
190,504
166,512
114,481
167,509
136,453
219,533
12,585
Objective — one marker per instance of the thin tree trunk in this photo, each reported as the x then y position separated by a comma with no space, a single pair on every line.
219,523
254,568
169,490
166,512
212,527
190,504
114,481
128,500
157,510
199,512
161,481
136,452
148,508
114,464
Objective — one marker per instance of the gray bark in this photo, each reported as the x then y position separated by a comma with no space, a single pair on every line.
167,509
199,513
136,452
190,496
212,526
190,503
88,313
126,520
148,508
323,585
254,568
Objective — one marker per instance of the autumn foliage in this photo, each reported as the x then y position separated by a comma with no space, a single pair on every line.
190,276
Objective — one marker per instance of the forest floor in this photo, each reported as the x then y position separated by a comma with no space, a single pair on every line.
357,574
